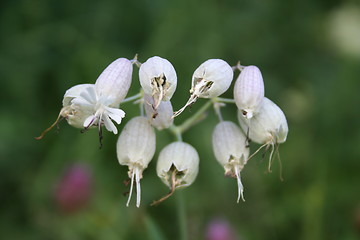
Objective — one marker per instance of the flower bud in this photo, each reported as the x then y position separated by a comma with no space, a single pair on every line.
158,79
135,149
211,79
249,91
160,118
177,167
229,145
268,127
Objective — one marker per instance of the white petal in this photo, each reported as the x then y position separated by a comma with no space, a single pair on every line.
89,121
116,114
110,126
89,95
82,102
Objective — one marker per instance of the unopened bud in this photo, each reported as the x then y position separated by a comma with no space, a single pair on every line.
230,150
249,91
135,149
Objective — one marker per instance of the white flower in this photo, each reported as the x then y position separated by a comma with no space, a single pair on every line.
177,167
160,118
182,158
268,127
110,89
158,79
229,145
211,79
135,148
249,91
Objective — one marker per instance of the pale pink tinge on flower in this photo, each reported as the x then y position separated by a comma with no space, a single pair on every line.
74,188
219,229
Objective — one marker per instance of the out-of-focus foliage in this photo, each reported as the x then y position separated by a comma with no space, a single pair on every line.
308,52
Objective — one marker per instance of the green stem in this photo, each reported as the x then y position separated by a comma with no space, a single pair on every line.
194,118
181,212
132,98
176,131
224,100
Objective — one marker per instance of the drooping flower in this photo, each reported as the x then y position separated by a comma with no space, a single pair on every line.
211,79
177,166
135,148
229,145
158,79
268,127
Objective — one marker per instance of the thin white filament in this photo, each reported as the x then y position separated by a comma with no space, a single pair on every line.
191,100
271,155
252,155
138,189
240,186
131,187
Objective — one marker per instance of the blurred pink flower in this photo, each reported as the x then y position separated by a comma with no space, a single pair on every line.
219,229
74,189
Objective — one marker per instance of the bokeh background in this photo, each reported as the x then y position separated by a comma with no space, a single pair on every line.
64,187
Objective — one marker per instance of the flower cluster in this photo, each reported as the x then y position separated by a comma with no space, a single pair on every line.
96,105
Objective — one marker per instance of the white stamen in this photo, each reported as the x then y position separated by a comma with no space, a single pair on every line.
138,189
131,187
240,186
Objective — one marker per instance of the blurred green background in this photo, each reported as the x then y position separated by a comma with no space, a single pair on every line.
309,55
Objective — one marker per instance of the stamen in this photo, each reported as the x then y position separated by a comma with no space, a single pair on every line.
138,189
131,187
172,189
240,186
42,135
271,155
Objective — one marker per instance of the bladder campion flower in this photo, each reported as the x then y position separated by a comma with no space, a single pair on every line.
229,145
158,79
268,127
135,149
177,166
110,89
211,79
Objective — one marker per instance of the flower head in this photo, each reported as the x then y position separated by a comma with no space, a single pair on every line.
211,79
135,149
177,166
110,89
229,145
268,127
158,79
